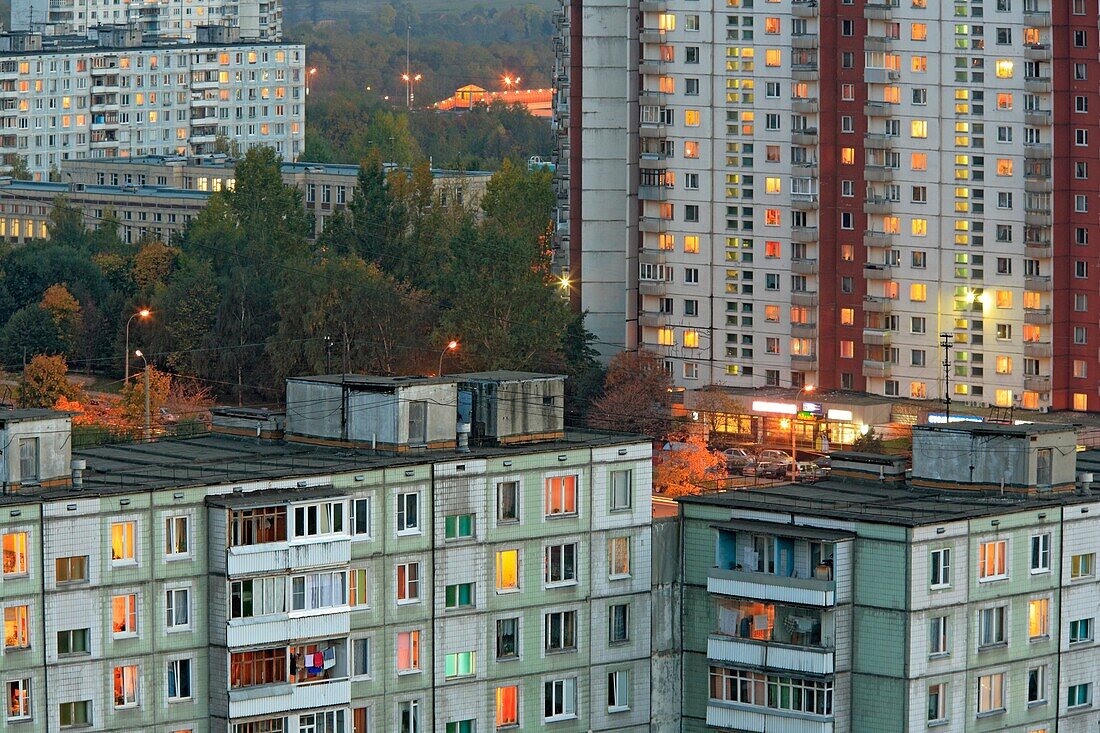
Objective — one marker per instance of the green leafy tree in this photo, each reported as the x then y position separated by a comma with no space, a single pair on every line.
869,442
66,225
133,395
185,308
66,314
20,171
152,265
29,332
373,226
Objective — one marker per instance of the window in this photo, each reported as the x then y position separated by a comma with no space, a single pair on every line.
408,582
1040,553
257,526
991,626
941,568
18,699
460,664
621,489
175,536
358,588
257,597
1081,566
991,693
937,703
618,553
126,686
1036,684
458,526
408,513
179,679
17,627
177,607
1038,618
72,714
1079,695
937,636
508,570
408,651
461,726
73,641
15,553
691,150
360,657
561,631
560,699
561,564
408,716
561,496
316,591
618,623
992,560
507,502
508,638
459,595
361,518
507,706
1080,631
28,459
618,691
122,543
918,292
124,615
918,129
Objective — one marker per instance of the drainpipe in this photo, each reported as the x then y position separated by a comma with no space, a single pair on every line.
42,608
431,492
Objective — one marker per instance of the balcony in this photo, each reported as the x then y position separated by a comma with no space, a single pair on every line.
878,43
652,193
652,224
804,330
878,205
878,109
1037,52
1037,349
652,161
283,629
876,337
802,266
651,98
878,11
806,169
876,75
727,716
804,201
652,287
1037,151
877,271
805,235
877,239
649,66
1037,84
1038,185
654,320
804,40
880,140
773,655
1038,283
767,587
804,72
878,173
804,8
653,6
652,35
877,304
1037,250
1039,117
1038,218
805,136
805,360
805,106
1037,18
1035,383
804,297
282,556
275,699
873,368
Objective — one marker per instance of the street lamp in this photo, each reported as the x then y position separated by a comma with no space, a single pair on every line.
451,346
410,79
805,389
148,431
510,81
143,313
309,75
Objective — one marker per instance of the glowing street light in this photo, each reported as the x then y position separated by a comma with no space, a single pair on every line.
148,424
451,346
410,79
806,389
312,72
143,314
510,81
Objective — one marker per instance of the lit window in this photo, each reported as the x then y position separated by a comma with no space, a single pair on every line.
773,185
665,337
919,161
507,706
772,217
691,149
919,227
847,316
772,249
691,244
17,631
15,553
1038,621
992,560
666,22
918,292
618,553
1080,401
561,495
508,570
666,242
771,313
1002,398
691,339
918,390
691,117
126,686
122,543
991,689
124,615
918,128
848,156
1004,365
1004,101
771,25
408,651
1004,71
773,57
1004,166
847,349
18,698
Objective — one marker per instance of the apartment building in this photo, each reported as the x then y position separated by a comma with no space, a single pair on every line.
962,599
326,188
256,19
817,190
391,554
115,96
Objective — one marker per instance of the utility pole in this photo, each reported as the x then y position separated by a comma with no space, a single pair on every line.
946,340
408,74
148,425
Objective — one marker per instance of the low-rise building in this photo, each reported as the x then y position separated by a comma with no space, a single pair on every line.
388,555
954,601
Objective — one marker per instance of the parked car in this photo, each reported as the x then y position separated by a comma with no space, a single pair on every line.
775,456
809,473
771,470
736,457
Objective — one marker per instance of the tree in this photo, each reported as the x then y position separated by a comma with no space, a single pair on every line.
519,201
373,226
44,381
20,171
635,398
64,311
185,308
30,331
152,264
869,442
686,464
66,225
583,369
133,395
715,407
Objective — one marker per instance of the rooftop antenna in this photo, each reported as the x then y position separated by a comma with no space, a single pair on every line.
946,340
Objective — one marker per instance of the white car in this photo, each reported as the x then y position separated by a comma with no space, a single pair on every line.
774,456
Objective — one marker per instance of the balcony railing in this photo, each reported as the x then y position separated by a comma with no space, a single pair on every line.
770,654
764,586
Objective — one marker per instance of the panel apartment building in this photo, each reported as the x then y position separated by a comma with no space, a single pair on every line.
256,19
865,604
115,95
812,191
404,555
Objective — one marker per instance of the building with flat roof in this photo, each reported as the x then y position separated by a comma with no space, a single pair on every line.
870,602
359,563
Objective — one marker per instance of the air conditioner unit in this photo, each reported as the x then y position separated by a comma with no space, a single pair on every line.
1044,409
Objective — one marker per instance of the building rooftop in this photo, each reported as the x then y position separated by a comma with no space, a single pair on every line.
978,428
223,459
866,502
29,413
54,189
371,380
224,162
504,375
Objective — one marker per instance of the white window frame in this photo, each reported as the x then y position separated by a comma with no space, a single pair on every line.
1040,552
134,673
939,562
405,499
171,609
23,686
124,560
413,640
1000,547
409,585
131,612
172,535
548,577
942,707
1088,695
991,693
330,517
320,591
1091,559
560,492
1090,623
618,503
938,629
992,622
563,695
513,484
618,691
1041,672
618,549
413,708
360,506
175,668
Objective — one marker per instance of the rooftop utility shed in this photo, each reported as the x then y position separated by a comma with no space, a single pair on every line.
510,407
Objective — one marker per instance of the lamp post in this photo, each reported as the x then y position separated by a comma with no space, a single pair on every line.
451,346
143,313
805,389
312,72
148,425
